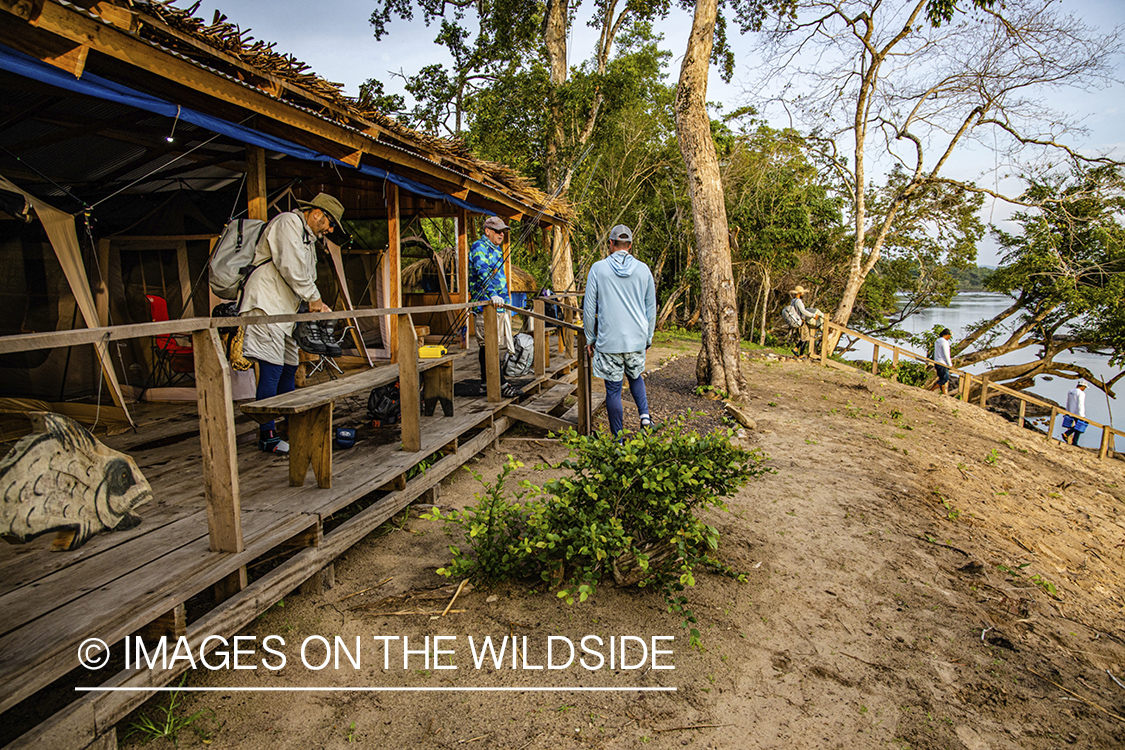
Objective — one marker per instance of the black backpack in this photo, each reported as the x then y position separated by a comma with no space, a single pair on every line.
384,406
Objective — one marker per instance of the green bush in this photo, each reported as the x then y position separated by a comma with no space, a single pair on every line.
624,511
910,371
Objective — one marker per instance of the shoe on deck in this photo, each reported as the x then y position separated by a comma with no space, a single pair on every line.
510,391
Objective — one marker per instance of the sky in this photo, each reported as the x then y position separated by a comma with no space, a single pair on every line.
335,39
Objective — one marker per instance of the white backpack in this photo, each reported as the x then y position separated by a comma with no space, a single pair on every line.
232,257
790,315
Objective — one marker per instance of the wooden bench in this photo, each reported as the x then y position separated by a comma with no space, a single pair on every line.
309,411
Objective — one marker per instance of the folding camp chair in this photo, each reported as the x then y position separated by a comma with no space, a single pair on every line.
172,362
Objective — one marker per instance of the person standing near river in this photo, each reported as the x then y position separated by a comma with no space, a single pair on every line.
1075,404
944,358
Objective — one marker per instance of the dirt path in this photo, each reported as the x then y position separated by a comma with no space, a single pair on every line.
908,566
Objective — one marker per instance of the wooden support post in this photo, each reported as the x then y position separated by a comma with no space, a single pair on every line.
408,384
172,624
320,581
257,197
231,585
506,254
394,265
984,392
539,358
217,437
1107,436
310,442
567,335
824,342
1051,424
967,381
101,285
491,353
894,365
1023,411
585,397
463,271
437,389
875,361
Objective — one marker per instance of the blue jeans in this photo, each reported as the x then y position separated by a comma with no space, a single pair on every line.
274,380
613,406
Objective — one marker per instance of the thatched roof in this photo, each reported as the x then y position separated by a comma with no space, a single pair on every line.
224,46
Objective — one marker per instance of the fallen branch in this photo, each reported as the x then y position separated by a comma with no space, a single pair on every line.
455,595
369,588
405,613
1076,695
939,544
693,726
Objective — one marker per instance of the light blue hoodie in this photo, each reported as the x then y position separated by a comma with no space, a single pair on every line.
620,306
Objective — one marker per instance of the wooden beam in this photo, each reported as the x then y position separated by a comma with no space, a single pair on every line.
394,263
410,407
539,355
463,269
536,418
217,438
491,353
256,193
342,283
101,285
585,395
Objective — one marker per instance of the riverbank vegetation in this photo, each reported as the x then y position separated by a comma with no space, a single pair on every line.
851,195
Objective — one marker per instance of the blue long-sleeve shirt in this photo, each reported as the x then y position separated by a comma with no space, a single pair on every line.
619,310
486,271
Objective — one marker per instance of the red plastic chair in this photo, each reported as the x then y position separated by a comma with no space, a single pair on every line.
172,361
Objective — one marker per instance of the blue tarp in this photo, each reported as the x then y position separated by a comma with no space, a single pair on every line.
93,85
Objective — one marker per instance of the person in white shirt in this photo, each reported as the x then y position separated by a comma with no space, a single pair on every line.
805,315
1075,404
284,277
944,358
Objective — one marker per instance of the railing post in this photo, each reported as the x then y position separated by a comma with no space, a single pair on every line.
1023,411
967,379
824,342
539,361
568,335
491,353
984,392
1051,424
409,406
585,414
894,365
220,456
875,361
1106,437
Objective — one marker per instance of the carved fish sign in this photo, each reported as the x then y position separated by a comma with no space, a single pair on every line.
61,479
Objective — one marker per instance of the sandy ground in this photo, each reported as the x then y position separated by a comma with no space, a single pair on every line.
911,566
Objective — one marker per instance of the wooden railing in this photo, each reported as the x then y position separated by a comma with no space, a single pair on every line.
965,384
216,402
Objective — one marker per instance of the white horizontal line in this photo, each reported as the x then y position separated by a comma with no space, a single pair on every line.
168,689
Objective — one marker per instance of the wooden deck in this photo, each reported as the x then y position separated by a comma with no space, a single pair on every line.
138,581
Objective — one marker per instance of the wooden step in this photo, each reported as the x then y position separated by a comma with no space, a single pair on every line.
551,398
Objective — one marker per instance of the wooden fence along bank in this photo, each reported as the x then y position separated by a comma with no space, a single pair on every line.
220,509
965,384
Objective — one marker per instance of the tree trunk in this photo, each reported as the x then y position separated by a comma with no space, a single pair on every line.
719,362
767,287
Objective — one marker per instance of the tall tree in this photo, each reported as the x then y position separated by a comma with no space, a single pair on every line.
1065,273
899,82
506,38
720,362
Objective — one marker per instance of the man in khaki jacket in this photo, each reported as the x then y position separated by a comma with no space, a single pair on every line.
284,276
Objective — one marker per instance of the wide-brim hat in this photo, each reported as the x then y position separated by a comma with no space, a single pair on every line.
495,223
798,290
329,205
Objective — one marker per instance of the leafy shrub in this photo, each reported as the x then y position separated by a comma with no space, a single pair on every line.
626,511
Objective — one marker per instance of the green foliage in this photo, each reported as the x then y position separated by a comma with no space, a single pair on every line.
165,723
631,506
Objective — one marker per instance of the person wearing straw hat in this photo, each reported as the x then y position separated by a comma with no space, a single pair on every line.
283,279
487,283
1075,404
804,331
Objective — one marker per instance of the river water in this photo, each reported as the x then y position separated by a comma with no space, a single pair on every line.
967,309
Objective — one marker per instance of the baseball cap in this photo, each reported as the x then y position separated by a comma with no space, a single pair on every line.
495,223
1081,384
620,233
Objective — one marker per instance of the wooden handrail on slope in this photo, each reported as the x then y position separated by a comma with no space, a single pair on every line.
966,380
